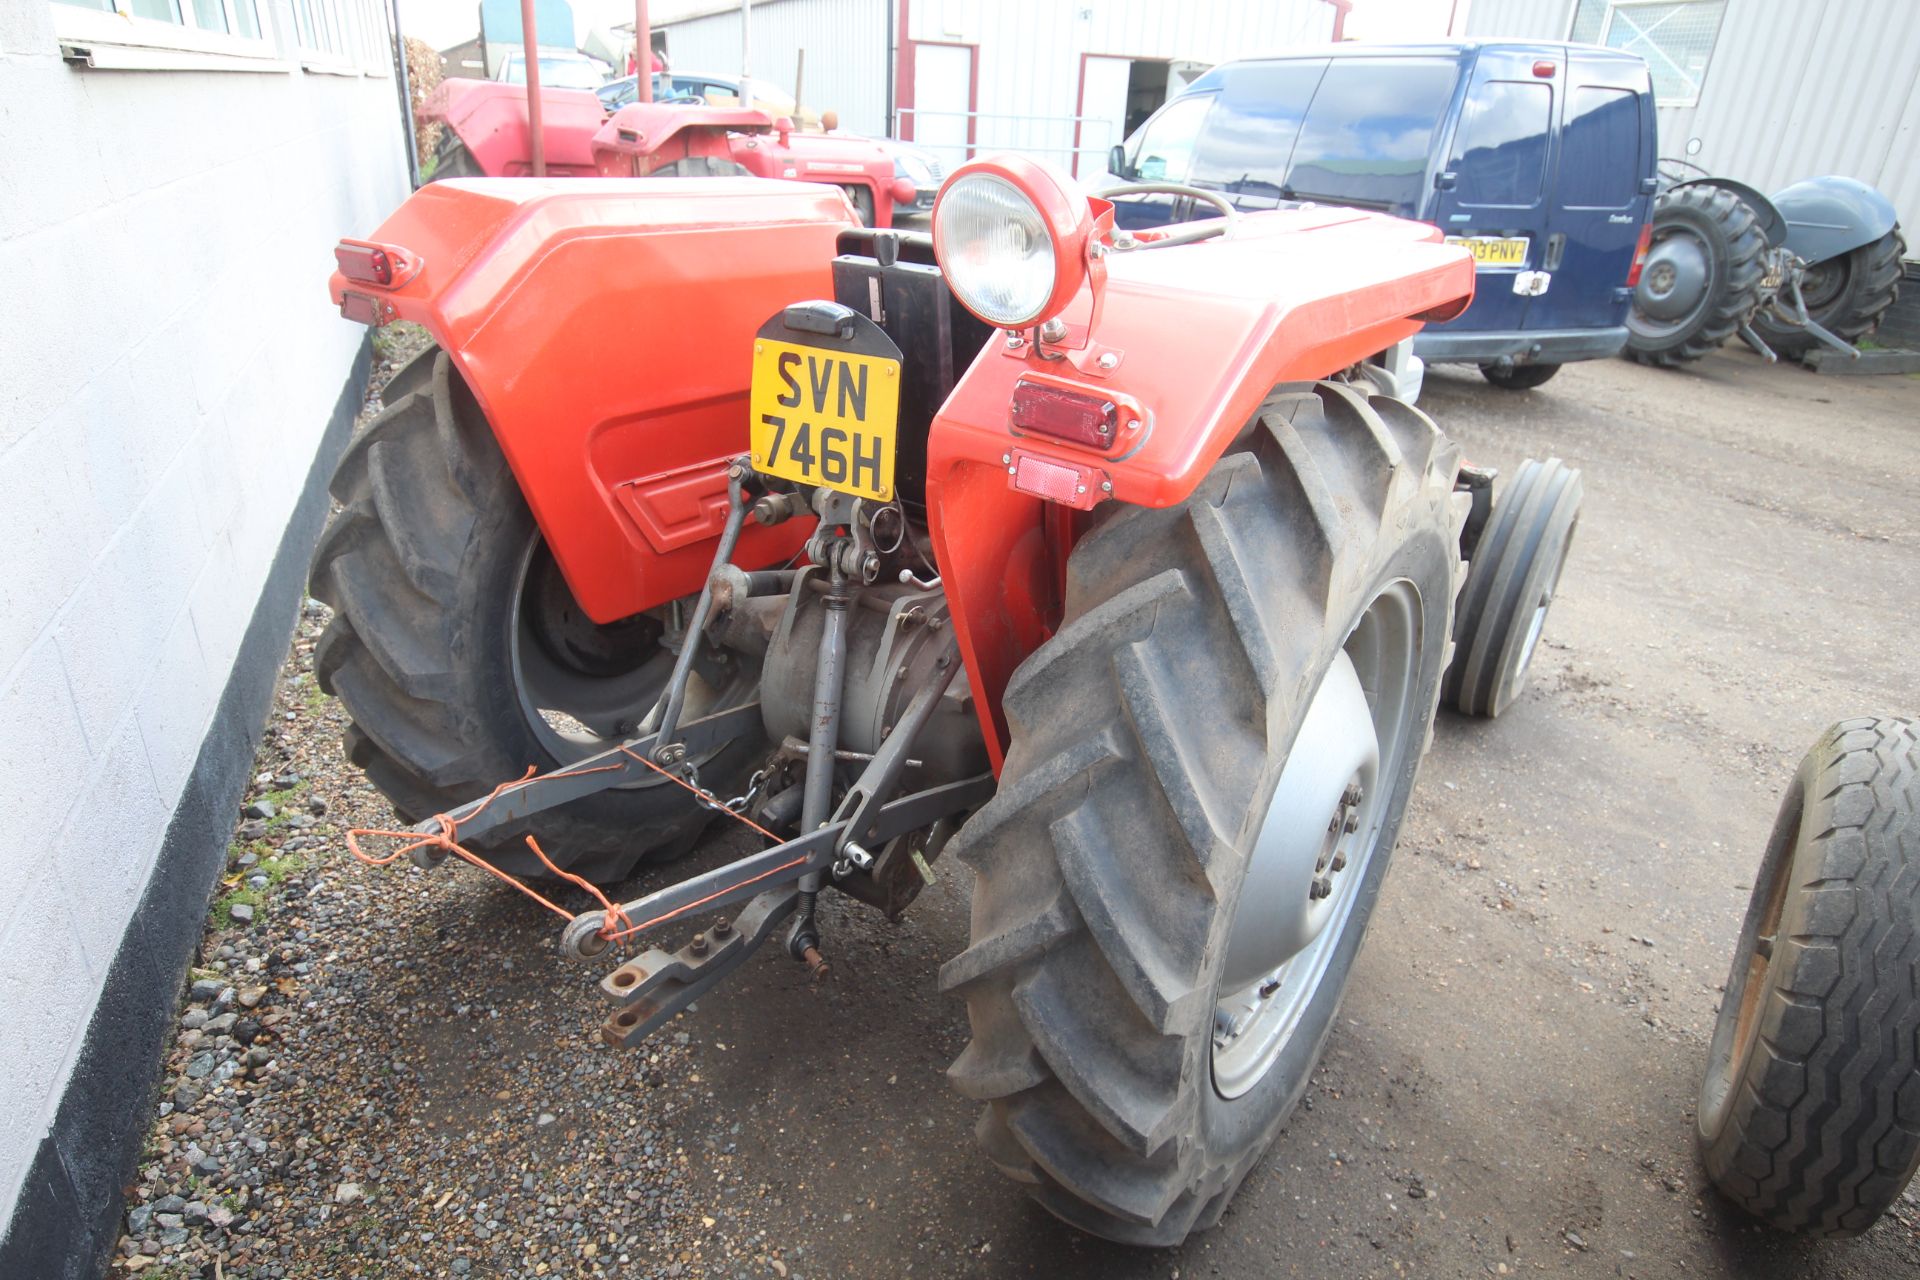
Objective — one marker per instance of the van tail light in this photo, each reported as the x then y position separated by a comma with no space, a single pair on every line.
1640,255
1073,416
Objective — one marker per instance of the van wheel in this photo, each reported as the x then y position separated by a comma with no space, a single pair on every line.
1518,377
1701,277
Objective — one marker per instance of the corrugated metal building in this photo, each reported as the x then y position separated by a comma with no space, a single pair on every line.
1765,91
1057,78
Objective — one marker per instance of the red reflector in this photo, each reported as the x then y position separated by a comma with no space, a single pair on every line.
1066,483
1544,70
364,263
1065,415
1640,255
361,309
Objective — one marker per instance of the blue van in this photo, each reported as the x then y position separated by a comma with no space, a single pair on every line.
1538,157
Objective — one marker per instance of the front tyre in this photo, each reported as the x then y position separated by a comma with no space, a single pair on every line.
1209,764
1809,1115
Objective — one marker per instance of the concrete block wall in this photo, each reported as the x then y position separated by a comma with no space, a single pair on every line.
169,363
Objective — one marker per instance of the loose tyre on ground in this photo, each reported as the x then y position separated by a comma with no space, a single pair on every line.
1846,295
1701,277
1810,1114
461,655
1208,767
1514,570
1518,377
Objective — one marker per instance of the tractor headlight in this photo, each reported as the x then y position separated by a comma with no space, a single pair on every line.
1011,236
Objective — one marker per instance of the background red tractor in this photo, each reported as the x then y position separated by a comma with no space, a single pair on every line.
486,134
1095,558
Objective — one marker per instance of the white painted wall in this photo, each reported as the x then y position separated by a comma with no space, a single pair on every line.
168,362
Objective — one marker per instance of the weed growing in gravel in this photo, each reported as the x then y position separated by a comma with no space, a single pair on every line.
275,866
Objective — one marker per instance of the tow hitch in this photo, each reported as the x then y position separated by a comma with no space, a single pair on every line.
776,883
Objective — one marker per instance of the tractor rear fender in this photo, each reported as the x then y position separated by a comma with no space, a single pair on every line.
1772,225
490,118
1829,216
1187,341
606,330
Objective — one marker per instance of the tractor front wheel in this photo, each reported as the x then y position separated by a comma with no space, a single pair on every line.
1209,764
462,656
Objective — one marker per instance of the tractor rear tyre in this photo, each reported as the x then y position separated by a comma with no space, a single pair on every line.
452,159
1810,1113
1701,278
1846,295
1518,377
462,657
1209,762
1511,578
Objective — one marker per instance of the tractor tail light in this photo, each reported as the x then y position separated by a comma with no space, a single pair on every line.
1065,415
364,263
1640,255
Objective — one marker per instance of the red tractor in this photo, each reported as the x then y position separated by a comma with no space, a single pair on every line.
485,134
1095,559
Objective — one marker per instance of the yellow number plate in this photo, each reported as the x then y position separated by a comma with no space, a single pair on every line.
825,417
1494,251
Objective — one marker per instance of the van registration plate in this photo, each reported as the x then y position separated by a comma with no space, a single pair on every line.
1494,251
825,416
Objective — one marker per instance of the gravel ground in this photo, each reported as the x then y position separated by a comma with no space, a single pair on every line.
358,1085
389,1073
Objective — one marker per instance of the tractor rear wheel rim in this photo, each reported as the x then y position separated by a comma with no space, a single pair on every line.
583,687
1675,281
1322,830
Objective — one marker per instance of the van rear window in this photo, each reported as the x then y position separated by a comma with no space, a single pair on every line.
1370,129
1500,150
1602,146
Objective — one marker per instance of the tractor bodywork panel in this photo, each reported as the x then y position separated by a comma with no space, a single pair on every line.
606,329
1829,216
1197,335
490,118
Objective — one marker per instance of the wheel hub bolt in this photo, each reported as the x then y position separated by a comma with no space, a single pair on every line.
1320,888
1352,823
1339,861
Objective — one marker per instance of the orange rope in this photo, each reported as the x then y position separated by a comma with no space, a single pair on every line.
616,926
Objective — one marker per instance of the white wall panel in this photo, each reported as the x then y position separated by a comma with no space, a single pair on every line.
170,360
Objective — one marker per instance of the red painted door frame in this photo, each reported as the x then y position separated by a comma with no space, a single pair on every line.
903,79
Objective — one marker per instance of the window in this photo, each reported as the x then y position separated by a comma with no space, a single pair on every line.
348,37
1249,138
1603,130
1368,135
1163,152
1674,36
1500,151
224,28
